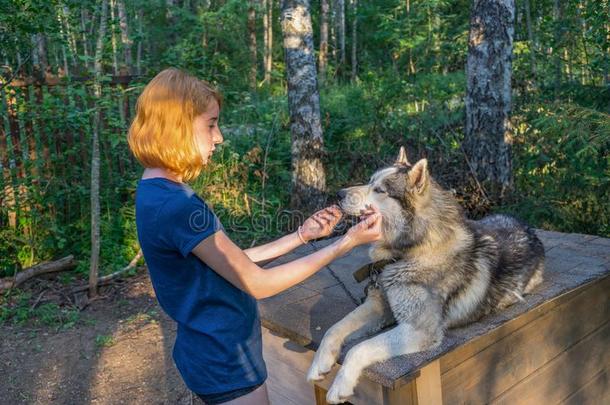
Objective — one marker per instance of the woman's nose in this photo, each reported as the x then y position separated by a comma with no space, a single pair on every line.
219,138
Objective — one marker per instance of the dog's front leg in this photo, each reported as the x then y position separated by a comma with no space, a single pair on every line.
366,319
419,328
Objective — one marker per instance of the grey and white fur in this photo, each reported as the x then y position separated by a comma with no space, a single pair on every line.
444,271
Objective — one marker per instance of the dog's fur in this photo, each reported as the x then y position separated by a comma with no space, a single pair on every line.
445,271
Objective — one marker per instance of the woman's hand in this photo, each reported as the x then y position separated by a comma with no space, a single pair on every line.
321,223
368,229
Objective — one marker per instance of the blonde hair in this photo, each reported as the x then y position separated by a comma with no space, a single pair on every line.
161,134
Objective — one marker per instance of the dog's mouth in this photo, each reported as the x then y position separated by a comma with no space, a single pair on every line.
351,212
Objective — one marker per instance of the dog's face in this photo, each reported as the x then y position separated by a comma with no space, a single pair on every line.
398,192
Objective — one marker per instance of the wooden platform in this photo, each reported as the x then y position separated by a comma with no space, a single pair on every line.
287,365
552,347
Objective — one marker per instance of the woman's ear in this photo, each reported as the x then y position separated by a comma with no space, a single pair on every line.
418,176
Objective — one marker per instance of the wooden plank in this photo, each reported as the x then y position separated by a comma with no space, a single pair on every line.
284,377
502,365
279,397
403,395
282,350
424,390
470,349
287,351
566,374
320,395
287,380
428,385
596,391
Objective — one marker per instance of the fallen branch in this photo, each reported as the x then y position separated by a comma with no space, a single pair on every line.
107,279
66,263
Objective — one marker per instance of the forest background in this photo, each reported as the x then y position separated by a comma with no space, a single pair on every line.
390,73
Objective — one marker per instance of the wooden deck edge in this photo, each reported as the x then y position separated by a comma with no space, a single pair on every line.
471,348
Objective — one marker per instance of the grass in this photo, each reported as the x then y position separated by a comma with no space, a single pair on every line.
104,341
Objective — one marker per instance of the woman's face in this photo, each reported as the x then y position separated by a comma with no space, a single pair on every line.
206,131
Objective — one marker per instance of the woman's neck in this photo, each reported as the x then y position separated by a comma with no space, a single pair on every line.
151,172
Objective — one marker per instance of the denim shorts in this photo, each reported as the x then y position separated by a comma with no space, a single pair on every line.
221,397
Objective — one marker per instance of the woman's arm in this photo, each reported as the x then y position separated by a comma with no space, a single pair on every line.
318,225
227,259
274,249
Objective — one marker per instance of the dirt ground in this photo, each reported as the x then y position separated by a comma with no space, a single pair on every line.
119,352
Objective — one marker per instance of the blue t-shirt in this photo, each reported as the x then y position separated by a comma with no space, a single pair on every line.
218,344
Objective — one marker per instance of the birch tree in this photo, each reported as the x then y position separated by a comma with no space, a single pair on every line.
354,4
323,55
252,42
488,96
268,38
308,176
125,39
340,13
115,59
95,157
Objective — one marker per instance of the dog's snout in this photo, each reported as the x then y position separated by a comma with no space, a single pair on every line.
341,193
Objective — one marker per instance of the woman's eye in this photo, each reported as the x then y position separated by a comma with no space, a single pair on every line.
379,190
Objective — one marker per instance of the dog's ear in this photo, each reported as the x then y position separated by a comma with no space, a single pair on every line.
402,160
419,176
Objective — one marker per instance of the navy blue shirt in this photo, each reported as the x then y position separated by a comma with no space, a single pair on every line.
218,344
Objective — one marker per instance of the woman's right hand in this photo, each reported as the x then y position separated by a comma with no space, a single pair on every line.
368,230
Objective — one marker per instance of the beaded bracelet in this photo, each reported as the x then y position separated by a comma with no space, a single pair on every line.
301,236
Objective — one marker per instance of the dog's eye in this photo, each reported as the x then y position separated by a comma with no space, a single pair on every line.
379,190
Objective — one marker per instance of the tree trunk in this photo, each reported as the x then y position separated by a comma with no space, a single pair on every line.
323,56
95,157
39,55
530,37
354,39
268,38
411,63
488,97
252,42
83,27
341,31
125,40
333,30
66,263
70,38
557,17
266,21
308,176
140,15
115,59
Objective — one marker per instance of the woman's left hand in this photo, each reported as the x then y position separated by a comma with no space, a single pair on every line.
321,223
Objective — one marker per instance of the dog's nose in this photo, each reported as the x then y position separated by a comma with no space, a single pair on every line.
341,193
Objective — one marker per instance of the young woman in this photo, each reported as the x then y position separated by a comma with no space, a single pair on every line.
203,280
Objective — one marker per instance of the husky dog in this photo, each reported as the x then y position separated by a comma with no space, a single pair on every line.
442,271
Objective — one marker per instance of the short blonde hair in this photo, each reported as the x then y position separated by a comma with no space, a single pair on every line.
161,134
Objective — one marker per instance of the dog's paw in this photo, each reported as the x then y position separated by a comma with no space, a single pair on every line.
341,389
323,361
338,394
318,370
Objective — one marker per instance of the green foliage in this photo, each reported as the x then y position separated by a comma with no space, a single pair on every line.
563,168
409,91
104,341
17,307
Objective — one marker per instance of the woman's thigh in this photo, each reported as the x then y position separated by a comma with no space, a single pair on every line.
257,397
